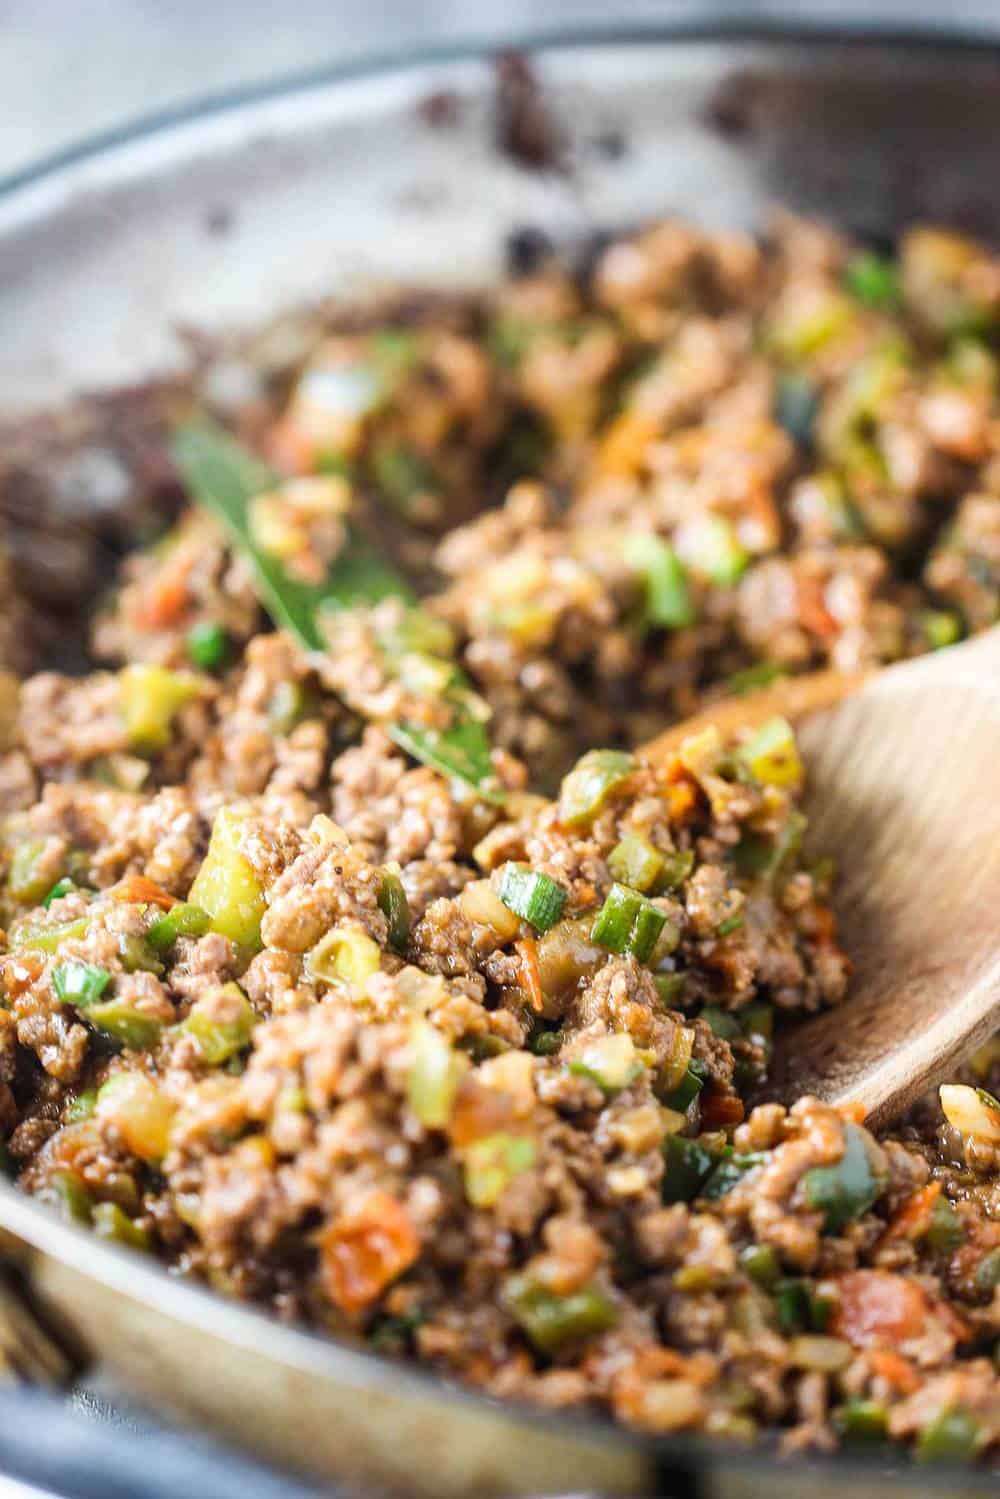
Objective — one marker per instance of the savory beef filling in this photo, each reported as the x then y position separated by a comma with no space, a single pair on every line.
353,959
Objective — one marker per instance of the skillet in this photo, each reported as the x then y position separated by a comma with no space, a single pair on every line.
217,218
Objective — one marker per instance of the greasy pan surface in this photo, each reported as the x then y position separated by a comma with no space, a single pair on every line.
217,221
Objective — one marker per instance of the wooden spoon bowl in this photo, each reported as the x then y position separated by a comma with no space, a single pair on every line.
904,793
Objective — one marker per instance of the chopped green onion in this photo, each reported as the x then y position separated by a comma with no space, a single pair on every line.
668,599
731,924
433,1076
150,698
71,1195
796,401
221,1025
50,939
730,1170
395,907
688,1165
79,983
714,550
119,1021
59,889
553,1322
24,881
955,1436
346,955
634,861
862,1421
610,1062
546,1043
761,1263
873,280
941,627
492,1163
206,645
594,778
757,854
394,1335
847,1189
182,920
628,923
82,1106
111,1223
137,956
944,1232
687,1091
669,987
532,895
677,868
771,755
987,1274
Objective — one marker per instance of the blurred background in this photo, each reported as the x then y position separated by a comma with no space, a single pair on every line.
74,67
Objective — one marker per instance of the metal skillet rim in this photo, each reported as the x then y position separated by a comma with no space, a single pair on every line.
742,26
242,1325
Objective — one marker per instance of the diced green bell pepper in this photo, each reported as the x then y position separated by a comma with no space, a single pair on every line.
553,1322
182,920
688,1165
122,1022
848,1188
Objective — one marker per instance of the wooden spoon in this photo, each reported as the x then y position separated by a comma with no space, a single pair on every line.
904,793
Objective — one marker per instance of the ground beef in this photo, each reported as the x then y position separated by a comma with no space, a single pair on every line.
272,1007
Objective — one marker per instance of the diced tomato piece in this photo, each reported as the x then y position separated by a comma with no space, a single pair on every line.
136,887
894,1369
719,1109
366,1250
875,1306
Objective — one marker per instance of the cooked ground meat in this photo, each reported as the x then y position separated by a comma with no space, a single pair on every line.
332,974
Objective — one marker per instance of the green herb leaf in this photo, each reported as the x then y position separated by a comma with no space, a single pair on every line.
461,752
223,477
